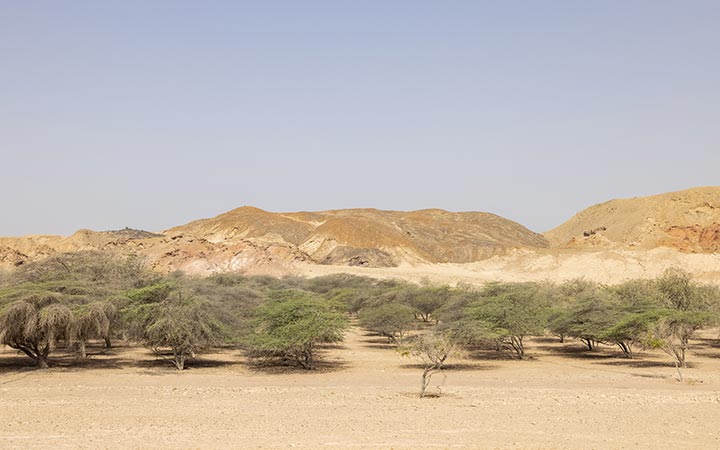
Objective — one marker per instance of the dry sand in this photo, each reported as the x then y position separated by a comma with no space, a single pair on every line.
603,266
366,398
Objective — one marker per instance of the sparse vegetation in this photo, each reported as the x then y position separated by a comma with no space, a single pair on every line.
93,321
176,322
292,324
35,326
432,351
392,320
84,299
510,312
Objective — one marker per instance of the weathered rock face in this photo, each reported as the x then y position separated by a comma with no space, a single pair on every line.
360,257
686,220
11,257
255,241
371,237
199,256
190,254
694,238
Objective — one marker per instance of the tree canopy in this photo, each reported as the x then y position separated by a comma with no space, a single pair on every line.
292,324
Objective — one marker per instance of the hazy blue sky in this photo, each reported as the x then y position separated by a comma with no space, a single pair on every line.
150,114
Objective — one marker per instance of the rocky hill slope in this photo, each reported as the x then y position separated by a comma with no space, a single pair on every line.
163,253
252,240
609,242
688,221
370,237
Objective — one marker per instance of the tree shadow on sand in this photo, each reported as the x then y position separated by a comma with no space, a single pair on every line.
457,367
107,359
490,354
644,364
577,351
290,367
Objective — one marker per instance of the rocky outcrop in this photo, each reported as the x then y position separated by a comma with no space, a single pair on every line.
694,238
685,220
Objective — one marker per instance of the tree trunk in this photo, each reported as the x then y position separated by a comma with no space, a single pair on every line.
42,362
179,362
425,381
307,359
82,351
29,351
517,344
108,344
626,349
591,343
682,358
677,367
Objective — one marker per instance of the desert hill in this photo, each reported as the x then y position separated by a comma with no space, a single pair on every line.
163,253
609,242
688,221
370,237
251,240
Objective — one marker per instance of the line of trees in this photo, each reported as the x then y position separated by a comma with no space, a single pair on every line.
663,313
72,299
69,300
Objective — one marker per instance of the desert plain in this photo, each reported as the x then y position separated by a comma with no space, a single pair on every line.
365,396
364,392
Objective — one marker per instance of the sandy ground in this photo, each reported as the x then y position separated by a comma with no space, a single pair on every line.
603,266
364,398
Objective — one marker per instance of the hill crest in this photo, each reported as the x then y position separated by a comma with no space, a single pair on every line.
687,220
365,236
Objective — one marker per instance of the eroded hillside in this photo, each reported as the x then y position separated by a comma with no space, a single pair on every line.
688,221
370,237
606,242
251,240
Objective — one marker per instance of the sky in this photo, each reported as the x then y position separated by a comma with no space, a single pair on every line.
150,114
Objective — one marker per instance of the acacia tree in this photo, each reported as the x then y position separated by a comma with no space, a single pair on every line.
432,350
89,283
292,324
101,269
561,299
93,321
678,289
428,300
184,327
671,332
392,320
666,329
588,318
629,330
93,313
511,311
632,299
35,325
163,318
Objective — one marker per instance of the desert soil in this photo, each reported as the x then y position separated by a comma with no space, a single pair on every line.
602,266
365,397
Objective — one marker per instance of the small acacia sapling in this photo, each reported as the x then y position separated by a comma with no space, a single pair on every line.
432,351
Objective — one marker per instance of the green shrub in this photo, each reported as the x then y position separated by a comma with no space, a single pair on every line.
392,320
291,325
